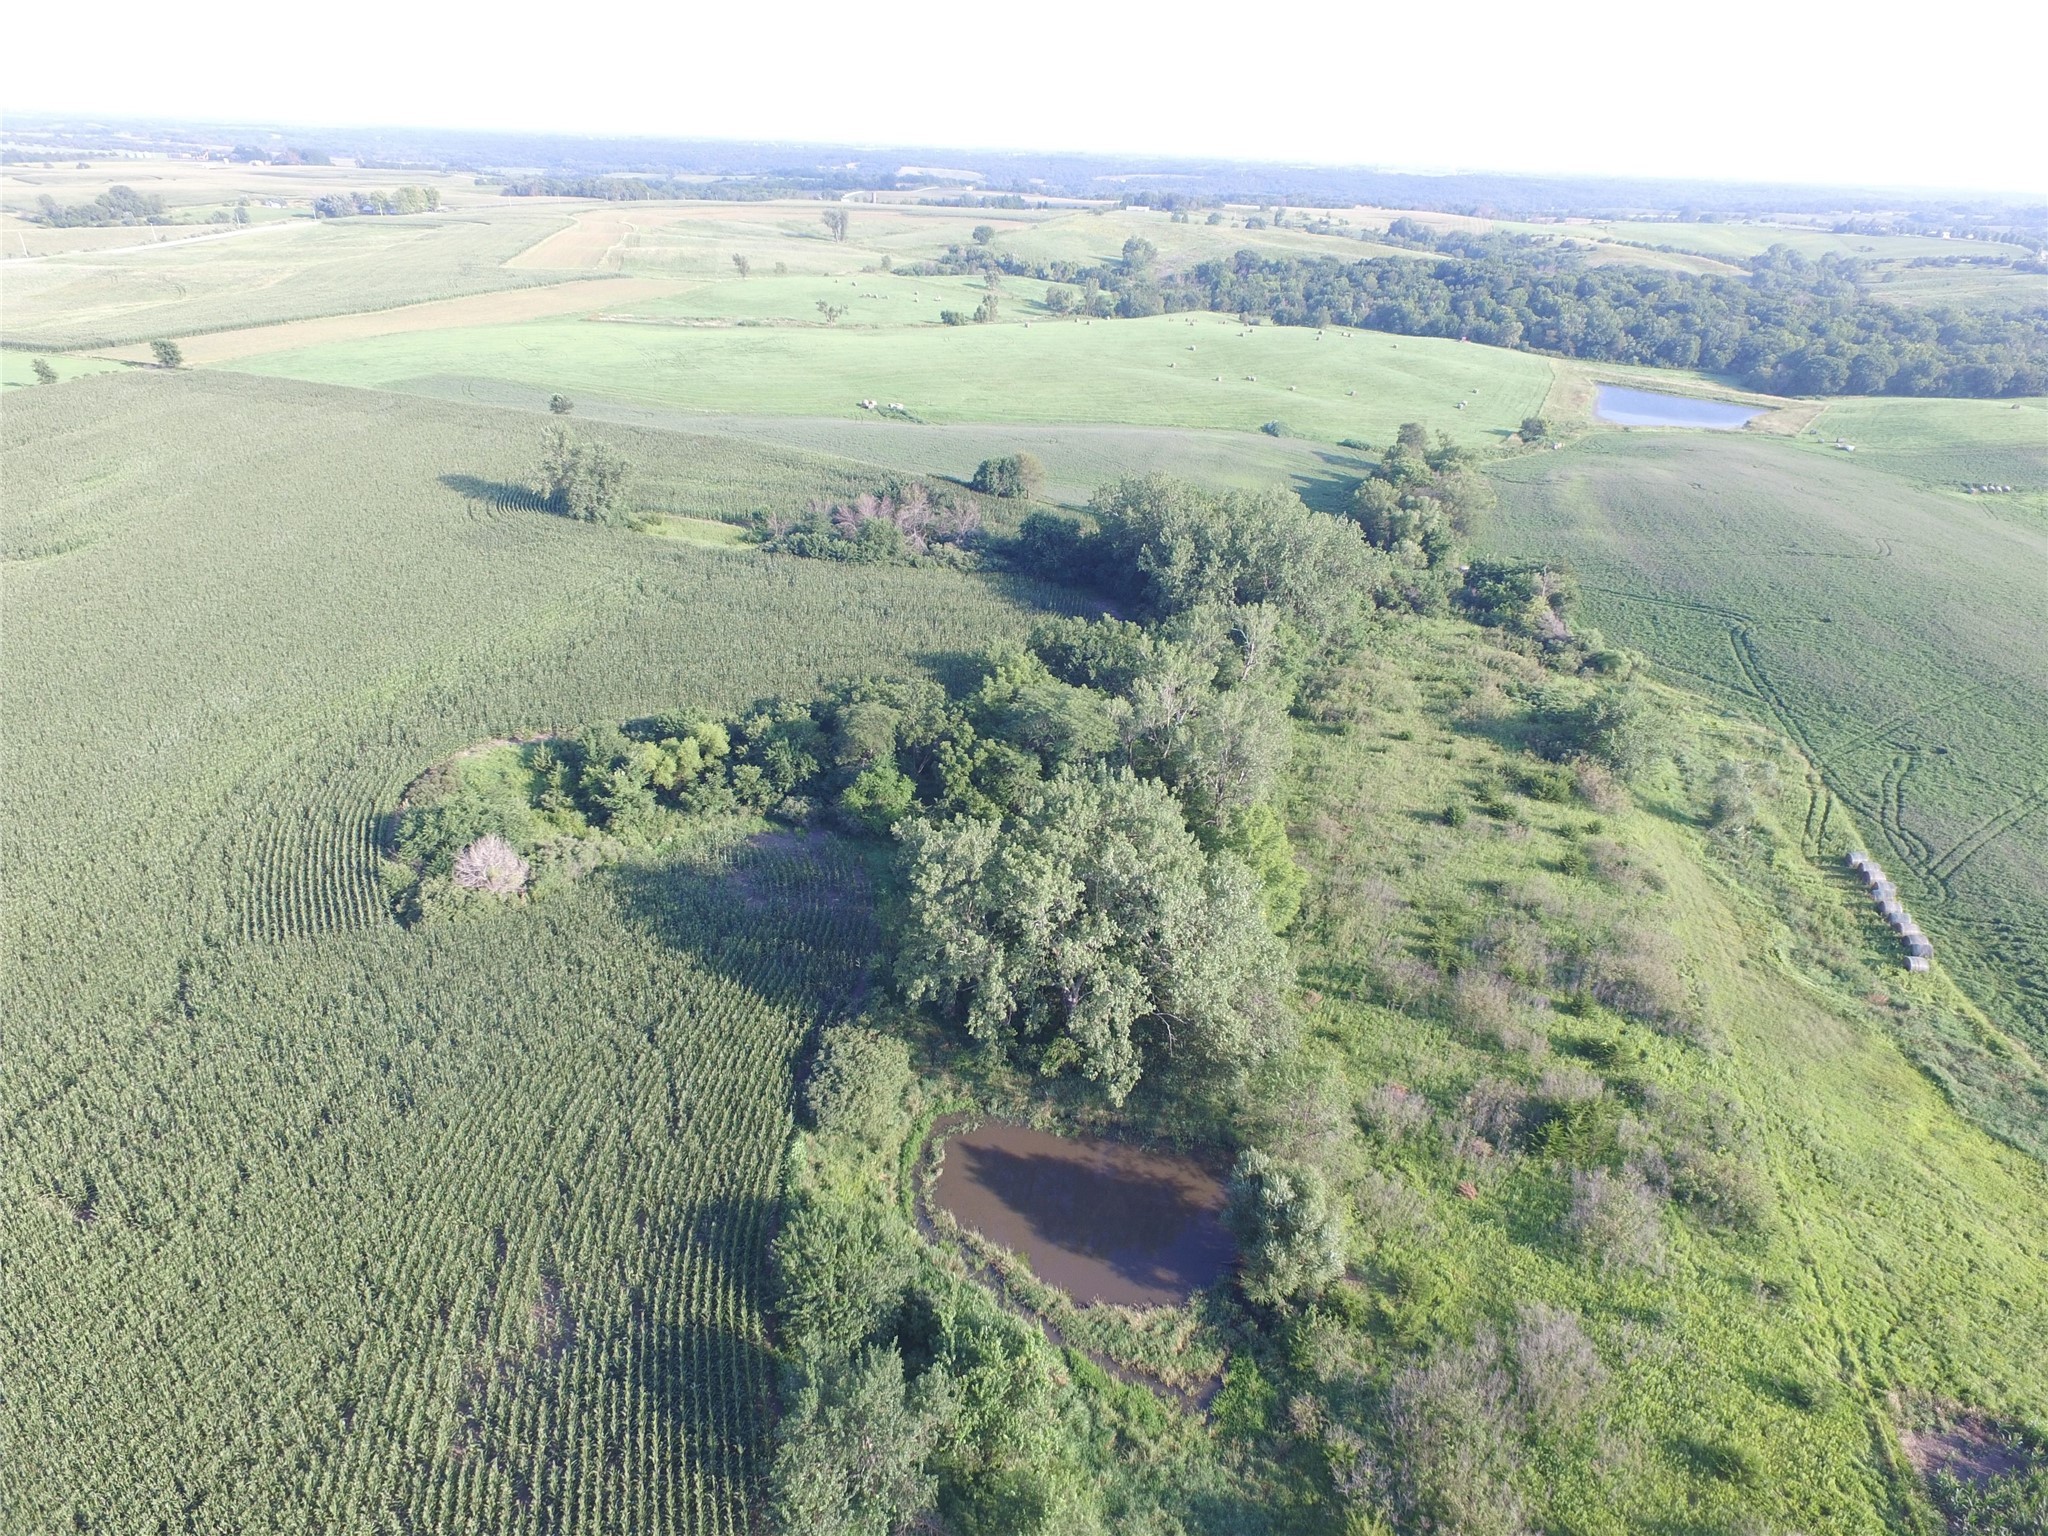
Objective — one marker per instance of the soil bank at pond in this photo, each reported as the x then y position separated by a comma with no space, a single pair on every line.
1102,1221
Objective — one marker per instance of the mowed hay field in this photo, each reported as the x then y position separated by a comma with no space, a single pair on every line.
1170,371
1890,624
312,1222
288,271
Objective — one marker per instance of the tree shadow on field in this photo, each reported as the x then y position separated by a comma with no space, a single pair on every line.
495,493
1331,492
787,914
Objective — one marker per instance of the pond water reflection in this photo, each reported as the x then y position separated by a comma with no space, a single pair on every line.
1102,1221
1620,407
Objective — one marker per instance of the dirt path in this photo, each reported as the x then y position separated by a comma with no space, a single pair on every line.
575,296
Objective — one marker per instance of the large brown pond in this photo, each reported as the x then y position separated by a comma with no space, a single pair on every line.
1101,1221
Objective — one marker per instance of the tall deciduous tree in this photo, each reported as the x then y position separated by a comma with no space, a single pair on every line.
583,479
1090,931
168,354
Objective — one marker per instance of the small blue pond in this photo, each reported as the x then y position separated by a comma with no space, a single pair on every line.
1620,407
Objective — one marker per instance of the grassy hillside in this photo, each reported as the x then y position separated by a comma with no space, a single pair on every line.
1884,619
1894,1247
310,1220
1158,372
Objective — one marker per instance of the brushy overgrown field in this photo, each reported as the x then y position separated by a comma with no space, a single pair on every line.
293,271
1161,372
1750,1341
1889,622
313,1222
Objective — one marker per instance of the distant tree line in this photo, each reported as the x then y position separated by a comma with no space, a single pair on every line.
342,205
1792,326
636,189
115,206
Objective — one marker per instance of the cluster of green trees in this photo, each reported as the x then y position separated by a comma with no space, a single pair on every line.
407,199
1010,475
1129,287
115,206
580,477
1792,326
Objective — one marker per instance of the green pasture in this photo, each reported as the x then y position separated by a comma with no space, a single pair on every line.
1200,370
1887,622
302,1209
290,271
18,369
1079,457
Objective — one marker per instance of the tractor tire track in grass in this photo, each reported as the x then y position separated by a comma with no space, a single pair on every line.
1973,842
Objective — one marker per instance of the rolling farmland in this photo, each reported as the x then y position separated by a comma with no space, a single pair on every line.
1887,622
288,271
303,1209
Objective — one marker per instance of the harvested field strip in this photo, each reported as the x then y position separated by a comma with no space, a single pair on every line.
572,297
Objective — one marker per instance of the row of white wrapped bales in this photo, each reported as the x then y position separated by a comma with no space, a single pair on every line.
1919,952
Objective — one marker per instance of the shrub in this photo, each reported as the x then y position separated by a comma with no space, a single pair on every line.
1557,1371
168,354
1534,429
1724,1190
1276,429
857,1084
492,866
1393,1111
1615,1218
852,1450
841,1272
1290,1239
1454,1462
1011,476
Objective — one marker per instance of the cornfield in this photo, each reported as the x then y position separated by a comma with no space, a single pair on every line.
311,1222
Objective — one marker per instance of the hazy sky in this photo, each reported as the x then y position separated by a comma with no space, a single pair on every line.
1797,91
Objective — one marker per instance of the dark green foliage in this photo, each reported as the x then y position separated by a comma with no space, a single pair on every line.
851,1451
1089,931
1532,601
44,373
408,199
560,405
857,1083
168,354
1011,475
843,1270
583,478
1276,429
1289,1235
1534,429
1792,326
1177,548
